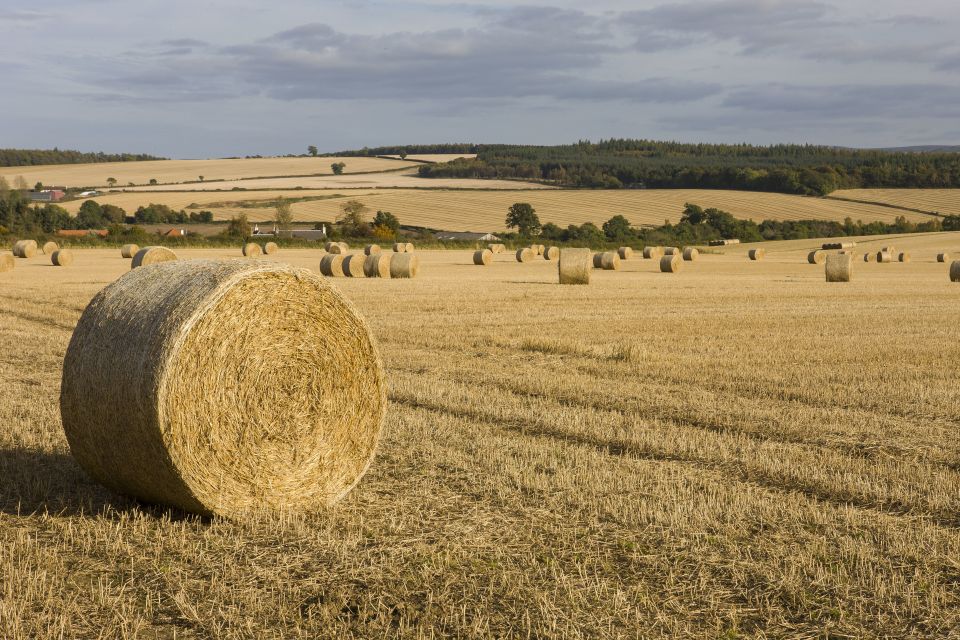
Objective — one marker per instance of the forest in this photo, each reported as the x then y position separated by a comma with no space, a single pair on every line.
32,157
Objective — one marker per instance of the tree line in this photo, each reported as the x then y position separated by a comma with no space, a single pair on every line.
30,157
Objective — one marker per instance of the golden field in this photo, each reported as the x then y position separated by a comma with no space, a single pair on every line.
465,210
942,201
737,450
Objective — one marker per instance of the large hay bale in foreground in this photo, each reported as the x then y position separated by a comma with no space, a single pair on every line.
7,261
839,267
50,247
270,248
377,265
524,254
331,265
574,266
652,253
152,255
955,271
404,265
482,257
757,254
25,248
372,249
903,257
671,263
551,253
691,253
352,265
252,250
869,256
884,257
943,257
818,256
625,253
61,258
610,261
162,402
129,250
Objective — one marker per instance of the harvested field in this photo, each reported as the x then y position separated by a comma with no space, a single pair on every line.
942,201
543,473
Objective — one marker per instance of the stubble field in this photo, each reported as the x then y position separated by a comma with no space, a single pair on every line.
737,450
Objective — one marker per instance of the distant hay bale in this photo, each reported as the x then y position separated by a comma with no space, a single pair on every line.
337,248
869,256
671,263
7,262
524,254
331,265
574,266
625,253
691,253
270,248
252,250
536,249
955,271
723,243
129,250
352,265
482,257
943,257
669,251
372,249
160,400
61,258
377,265
25,248
404,265
326,247
152,255
610,261
652,253
839,267
891,249
551,253
884,257
903,257
817,257
403,247
757,254
598,260
497,248
50,247
838,245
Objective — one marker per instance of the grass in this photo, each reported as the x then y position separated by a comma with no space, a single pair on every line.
737,450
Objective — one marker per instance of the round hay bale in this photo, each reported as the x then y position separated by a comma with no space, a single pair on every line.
252,250
884,257
903,257
326,247
610,261
129,250
625,253
377,265
669,251
409,248
371,249
152,255
25,248
540,249
818,256
574,266
652,253
7,262
404,265
551,253
50,247
496,248
61,258
160,401
757,254
955,271
869,257
337,248
482,257
270,248
598,260
691,253
524,254
891,249
352,265
399,247
535,250
839,267
671,263
331,265
943,257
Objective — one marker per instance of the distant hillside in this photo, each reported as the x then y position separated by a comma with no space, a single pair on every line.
925,148
33,157
411,149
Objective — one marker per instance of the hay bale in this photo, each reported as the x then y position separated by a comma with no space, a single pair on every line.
496,248
574,266
152,255
652,253
625,253
270,248
524,254
482,257
817,257
536,250
610,261
403,247
25,248
129,250
891,249
61,258
671,263
838,245
337,248
551,253
7,262
372,249
884,257
404,265
352,265
669,251
869,256
49,248
162,402
691,253
839,267
943,257
377,265
757,254
326,247
252,250
903,257
723,243
955,271
331,265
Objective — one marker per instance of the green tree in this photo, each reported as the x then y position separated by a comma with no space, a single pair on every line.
387,220
312,150
38,186
693,214
617,228
523,217
284,214
90,215
201,178
111,182
338,168
153,181
113,213
352,218
238,227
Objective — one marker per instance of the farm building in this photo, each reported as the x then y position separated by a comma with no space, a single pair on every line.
47,195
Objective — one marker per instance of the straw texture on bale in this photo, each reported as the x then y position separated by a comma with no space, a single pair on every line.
524,254
482,257
129,250
839,267
50,247
884,257
161,402
723,243
551,253
25,248
61,258
352,265
598,260
404,265
955,271
497,248
574,266
337,248
869,256
817,257
331,265
371,249
904,257
610,261
757,254
691,253
625,253
7,261
671,263
652,253
377,265
669,251
539,249
403,247
270,248
252,250
943,257
152,255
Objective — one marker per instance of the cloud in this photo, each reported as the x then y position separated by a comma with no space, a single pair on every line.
17,17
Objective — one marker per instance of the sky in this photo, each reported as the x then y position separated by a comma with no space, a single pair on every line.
215,78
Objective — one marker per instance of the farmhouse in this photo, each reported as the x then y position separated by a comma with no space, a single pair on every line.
47,195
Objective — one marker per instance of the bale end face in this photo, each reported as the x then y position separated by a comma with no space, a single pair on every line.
757,254
270,248
625,253
884,257
353,266
331,265
152,255
377,265
404,265
574,265
955,271
652,253
610,261
903,257
671,263
372,249
839,267
524,255
129,250
252,250
7,261
482,257
817,257
61,258
869,257
50,247
943,257
691,253
551,253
